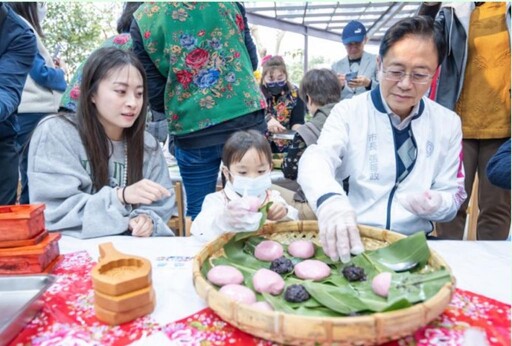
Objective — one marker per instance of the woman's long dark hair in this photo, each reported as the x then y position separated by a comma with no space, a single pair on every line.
28,10
125,20
97,145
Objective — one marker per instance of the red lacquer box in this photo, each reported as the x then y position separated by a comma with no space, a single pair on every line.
30,259
20,222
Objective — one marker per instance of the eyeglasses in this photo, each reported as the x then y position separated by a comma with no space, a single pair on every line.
416,78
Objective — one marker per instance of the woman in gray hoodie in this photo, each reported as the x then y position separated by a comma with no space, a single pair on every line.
98,172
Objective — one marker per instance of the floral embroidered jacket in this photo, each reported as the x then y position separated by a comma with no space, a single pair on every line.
200,48
69,99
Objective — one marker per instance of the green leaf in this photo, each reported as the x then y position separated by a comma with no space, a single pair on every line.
264,211
416,287
244,235
340,299
414,248
251,243
278,303
335,296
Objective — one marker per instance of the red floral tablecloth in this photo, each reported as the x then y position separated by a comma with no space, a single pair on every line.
68,318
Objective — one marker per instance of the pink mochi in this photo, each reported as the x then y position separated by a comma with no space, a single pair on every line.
253,203
266,280
381,284
223,275
312,270
301,249
239,293
264,306
268,250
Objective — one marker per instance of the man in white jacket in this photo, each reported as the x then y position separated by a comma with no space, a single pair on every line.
400,151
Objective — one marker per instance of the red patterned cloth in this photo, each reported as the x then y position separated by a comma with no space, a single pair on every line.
68,318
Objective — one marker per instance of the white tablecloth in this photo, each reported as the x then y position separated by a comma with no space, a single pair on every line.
483,267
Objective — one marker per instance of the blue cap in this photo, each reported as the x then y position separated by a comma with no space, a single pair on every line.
353,32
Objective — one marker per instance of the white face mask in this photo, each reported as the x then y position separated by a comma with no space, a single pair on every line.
41,11
252,186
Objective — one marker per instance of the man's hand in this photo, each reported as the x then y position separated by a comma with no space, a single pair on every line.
141,226
359,81
338,230
422,204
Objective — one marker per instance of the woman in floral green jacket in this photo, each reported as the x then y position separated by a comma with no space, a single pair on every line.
201,77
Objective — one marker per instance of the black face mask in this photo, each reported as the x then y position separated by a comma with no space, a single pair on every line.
275,90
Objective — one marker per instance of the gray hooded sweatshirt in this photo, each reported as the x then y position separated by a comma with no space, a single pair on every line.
59,177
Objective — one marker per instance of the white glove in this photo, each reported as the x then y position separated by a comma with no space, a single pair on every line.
422,204
238,217
338,230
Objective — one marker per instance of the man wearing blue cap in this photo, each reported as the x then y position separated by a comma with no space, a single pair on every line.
357,72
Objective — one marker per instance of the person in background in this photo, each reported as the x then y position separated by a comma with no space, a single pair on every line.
18,48
474,81
359,66
43,87
247,162
320,89
498,168
285,110
399,150
200,76
97,171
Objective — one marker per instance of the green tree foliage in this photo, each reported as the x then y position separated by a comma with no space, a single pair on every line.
295,64
79,28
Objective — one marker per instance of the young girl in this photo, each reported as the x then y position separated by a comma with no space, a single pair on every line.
97,171
247,162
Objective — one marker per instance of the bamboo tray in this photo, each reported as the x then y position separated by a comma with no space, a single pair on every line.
307,330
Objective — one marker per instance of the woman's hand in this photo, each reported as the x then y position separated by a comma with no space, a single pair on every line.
144,191
277,211
59,62
275,126
141,226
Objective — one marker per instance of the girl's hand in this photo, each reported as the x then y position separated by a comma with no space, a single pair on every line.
275,126
144,191
277,211
141,226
